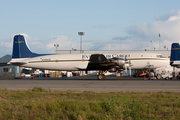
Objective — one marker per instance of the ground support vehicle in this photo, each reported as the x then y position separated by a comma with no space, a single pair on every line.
165,76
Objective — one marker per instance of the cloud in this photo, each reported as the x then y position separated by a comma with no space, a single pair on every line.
173,18
166,16
6,44
64,43
140,35
35,44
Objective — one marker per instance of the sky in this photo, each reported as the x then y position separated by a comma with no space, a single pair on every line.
108,24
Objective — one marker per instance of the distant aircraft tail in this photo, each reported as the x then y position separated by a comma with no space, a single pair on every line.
20,48
175,52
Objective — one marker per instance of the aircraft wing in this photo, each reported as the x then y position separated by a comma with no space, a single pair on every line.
100,62
97,62
81,68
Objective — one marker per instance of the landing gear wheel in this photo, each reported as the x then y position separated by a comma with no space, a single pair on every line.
101,77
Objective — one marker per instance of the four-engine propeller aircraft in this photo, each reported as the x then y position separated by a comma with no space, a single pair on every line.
175,55
112,62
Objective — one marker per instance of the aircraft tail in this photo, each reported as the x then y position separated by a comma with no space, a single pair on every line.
175,52
20,48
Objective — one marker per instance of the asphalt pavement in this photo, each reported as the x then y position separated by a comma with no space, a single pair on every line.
90,83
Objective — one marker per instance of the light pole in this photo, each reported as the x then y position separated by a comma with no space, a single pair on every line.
159,41
81,34
151,44
56,45
120,45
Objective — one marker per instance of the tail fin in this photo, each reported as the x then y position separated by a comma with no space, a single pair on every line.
20,49
175,52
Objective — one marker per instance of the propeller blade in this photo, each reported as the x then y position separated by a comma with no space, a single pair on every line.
130,71
126,67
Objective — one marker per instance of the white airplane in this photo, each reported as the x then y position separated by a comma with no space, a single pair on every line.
112,62
175,55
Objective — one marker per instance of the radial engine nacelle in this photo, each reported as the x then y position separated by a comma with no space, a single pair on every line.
119,61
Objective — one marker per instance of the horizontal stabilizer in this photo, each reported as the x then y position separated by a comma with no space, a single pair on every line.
17,63
3,64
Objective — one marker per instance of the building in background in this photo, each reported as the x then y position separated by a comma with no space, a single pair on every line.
9,70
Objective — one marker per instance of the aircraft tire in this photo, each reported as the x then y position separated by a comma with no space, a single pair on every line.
101,77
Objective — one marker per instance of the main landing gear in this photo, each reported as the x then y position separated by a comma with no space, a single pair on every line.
101,75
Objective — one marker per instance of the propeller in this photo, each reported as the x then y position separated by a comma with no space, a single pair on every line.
127,65
130,70
130,67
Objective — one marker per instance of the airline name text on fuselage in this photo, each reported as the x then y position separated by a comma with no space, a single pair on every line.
108,56
88,56
45,59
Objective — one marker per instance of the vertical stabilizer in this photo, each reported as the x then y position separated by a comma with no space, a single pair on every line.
20,48
175,52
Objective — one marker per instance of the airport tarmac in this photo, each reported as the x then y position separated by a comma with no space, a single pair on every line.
90,83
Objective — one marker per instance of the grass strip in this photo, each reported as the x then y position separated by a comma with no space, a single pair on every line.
37,104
